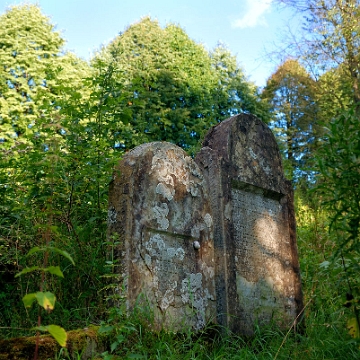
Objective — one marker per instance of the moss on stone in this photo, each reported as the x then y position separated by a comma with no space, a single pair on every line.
86,342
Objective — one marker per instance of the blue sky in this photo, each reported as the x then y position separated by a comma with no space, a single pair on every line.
248,27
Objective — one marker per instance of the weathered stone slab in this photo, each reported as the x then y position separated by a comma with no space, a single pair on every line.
160,211
257,268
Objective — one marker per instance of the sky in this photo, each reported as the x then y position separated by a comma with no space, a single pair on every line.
249,28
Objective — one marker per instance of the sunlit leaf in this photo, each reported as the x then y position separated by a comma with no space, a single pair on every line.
63,253
106,329
57,332
46,300
28,299
54,249
33,250
27,270
353,327
114,345
40,328
55,270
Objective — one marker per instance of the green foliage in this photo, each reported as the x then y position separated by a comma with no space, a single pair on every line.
324,284
322,340
35,82
329,43
330,49
233,93
27,39
66,124
53,185
30,53
334,93
291,93
45,299
173,89
57,332
339,163
336,38
167,80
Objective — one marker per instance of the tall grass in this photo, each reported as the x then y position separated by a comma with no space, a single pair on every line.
324,334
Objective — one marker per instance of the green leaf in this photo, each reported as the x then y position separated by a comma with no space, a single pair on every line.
28,299
63,253
325,264
120,338
114,345
52,248
55,270
46,300
57,332
353,328
34,250
40,328
106,329
27,270
54,229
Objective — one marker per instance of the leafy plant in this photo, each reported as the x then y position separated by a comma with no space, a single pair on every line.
46,299
339,186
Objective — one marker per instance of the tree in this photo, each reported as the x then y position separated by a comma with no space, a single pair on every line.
167,78
291,92
42,92
35,74
30,56
331,41
175,90
234,93
330,46
334,93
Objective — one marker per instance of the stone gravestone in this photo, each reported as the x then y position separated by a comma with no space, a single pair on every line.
257,269
159,211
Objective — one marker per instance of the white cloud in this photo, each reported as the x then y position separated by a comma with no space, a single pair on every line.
254,14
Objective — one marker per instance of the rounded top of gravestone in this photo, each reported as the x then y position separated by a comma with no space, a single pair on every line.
155,145
160,210
159,154
167,181
249,149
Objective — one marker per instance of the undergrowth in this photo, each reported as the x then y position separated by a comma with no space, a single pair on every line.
324,336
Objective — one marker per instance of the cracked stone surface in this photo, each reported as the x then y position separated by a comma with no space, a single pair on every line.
257,267
212,239
158,208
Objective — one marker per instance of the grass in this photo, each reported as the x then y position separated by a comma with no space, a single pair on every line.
324,338
325,335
